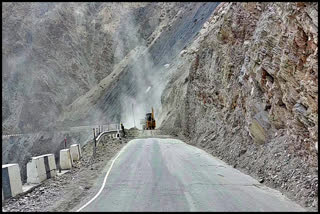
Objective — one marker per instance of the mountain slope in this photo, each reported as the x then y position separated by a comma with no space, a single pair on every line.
247,90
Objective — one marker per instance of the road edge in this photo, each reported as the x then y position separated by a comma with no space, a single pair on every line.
97,188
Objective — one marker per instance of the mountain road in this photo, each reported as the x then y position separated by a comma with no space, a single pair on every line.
163,174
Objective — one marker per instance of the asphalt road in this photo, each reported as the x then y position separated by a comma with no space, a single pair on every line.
154,174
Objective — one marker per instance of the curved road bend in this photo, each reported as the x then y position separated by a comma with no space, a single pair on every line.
154,174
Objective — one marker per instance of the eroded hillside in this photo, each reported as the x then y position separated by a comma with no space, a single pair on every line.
74,64
54,53
247,91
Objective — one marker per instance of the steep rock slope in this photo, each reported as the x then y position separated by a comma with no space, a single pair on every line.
54,53
247,91
73,64
142,69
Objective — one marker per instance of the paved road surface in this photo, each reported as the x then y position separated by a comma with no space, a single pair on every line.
154,174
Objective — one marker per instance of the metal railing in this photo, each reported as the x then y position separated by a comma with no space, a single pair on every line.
104,127
98,132
101,131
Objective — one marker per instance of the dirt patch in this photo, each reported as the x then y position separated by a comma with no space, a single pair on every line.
62,193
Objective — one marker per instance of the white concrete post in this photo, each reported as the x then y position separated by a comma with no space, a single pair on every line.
52,164
75,151
11,180
41,168
36,170
65,159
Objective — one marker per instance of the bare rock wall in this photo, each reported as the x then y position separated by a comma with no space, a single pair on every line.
252,92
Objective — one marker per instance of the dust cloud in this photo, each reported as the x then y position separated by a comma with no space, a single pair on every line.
148,79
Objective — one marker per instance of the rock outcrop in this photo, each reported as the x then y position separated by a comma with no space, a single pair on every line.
247,91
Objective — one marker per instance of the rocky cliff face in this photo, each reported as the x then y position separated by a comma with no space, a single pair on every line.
247,91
